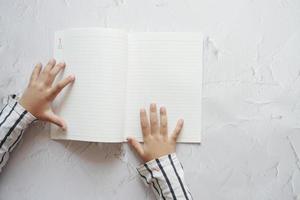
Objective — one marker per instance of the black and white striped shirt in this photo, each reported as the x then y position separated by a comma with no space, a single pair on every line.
166,178
164,175
14,119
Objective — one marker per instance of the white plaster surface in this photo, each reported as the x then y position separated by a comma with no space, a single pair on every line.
251,100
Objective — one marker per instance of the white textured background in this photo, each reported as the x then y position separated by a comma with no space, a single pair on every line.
251,100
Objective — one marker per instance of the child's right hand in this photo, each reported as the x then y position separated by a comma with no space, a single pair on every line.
157,142
40,92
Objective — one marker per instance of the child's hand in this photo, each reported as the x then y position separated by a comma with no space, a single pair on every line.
157,143
40,92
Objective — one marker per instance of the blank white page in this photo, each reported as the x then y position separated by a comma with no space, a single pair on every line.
165,68
94,106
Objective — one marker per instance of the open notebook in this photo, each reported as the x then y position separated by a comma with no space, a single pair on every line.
117,73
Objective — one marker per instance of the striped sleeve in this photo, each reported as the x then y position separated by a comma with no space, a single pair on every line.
14,119
166,178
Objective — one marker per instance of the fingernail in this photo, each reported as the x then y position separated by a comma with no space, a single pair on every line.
181,121
52,61
163,109
142,110
72,77
152,106
62,63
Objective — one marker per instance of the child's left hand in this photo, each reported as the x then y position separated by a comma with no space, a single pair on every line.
40,92
157,142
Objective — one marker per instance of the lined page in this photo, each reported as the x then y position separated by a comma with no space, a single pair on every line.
93,106
165,68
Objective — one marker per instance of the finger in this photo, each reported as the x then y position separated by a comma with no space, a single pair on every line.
53,118
153,119
136,146
50,65
163,121
54,71
61,85
36,72
57,68
177,130
144,123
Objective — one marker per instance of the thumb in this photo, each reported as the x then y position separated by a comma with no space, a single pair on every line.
177,130
136,146
53,118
